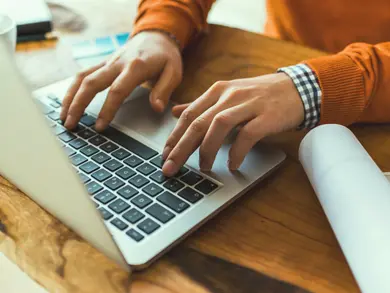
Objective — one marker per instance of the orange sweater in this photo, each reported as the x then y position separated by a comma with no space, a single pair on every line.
355,82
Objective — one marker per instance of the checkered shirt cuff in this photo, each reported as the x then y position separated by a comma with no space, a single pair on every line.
308,87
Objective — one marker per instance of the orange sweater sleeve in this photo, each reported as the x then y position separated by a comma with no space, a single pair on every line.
355,84
181,18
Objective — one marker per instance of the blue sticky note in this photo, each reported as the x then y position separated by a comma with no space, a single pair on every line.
105,45
122,38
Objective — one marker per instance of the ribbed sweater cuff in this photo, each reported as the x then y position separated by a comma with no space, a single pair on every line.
342,88
168,20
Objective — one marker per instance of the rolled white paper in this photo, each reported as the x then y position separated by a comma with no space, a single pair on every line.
355,196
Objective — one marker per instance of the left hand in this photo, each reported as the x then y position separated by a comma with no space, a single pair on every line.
266,105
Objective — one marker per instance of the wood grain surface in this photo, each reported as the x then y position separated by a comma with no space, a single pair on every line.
276,238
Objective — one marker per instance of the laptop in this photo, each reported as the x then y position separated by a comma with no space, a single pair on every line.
108,187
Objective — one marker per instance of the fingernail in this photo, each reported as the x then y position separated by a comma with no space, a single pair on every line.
160,105
232,166
166,152
170,168
70,122
100,124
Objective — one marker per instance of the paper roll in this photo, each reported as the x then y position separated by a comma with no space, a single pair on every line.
355,196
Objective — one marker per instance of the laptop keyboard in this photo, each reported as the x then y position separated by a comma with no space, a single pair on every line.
124,177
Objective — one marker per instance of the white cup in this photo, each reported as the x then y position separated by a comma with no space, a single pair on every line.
8,30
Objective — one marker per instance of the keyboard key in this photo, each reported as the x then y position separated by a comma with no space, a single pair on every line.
93,187
69,151
114,183
190,195
183,170
146,169
129,143
54,116
125,173
152,189
134,235
109,147
50,122
88,120
206,186
45,109
120,154
139,181
133,161
148,226
105,197
78,143
58,129
53,97
127,192
89,150
55,104
84,178
158,177
119,224
78,159
133,216
86,133
119,206
172,202
106,215
158,161
173,185
160,213
113,165
141,201
66,136
100,158
97,140
78,127
89,167
191,178
101,175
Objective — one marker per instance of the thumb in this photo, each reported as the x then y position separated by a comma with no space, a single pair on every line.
179,109
169,79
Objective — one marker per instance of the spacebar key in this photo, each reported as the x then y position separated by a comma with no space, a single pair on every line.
129,143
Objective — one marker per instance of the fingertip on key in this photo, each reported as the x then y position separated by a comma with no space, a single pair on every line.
70,122
169,168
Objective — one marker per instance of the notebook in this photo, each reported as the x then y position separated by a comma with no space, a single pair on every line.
32,17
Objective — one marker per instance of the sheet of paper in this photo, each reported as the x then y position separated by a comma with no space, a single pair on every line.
14,280
355,196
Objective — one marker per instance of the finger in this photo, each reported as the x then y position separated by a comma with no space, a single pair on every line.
204,102
222,124
190,141
74,88
178,110
91,85
248,136
166,84
121,88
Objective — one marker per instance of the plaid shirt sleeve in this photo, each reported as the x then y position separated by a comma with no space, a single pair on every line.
308,87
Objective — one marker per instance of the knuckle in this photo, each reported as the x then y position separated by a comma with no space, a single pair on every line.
219,85
136,63
188,115
235,92
199,125
81,75
116,91
222,119
89,82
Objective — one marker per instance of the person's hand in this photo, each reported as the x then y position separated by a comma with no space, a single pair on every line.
147,56
263,106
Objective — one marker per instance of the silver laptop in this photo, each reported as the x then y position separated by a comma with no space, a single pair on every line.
108,187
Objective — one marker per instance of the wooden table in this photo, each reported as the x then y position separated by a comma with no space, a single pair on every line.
277,231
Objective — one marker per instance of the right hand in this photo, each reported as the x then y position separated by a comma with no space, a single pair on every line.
148,56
